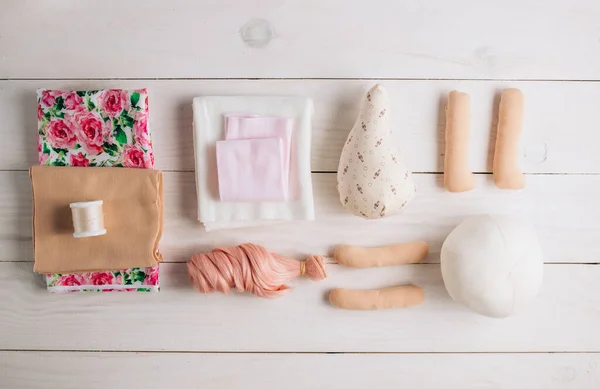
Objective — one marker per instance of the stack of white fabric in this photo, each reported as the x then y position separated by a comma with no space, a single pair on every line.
210,113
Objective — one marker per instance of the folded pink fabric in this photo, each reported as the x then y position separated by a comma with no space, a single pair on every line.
251,170
249,126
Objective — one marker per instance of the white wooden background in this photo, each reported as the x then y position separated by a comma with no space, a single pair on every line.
331,51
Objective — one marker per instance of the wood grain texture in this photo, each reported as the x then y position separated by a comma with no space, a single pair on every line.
563,208
564,317
554,111
514,39
67,370
333,53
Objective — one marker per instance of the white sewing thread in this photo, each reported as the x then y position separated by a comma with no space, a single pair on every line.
88,219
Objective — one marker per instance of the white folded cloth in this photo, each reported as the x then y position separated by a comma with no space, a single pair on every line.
209,127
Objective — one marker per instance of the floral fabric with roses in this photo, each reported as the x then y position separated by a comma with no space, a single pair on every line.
128,280
94,128
97,128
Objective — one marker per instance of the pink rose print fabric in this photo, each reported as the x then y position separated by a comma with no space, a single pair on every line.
97,128
128,280
94,128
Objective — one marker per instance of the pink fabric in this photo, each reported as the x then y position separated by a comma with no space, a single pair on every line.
250,170
249,126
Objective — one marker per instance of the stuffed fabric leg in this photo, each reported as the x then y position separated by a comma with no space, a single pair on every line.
507,174
457,176
375,299
402,296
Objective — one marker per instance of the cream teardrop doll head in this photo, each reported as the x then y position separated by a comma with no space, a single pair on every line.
373,181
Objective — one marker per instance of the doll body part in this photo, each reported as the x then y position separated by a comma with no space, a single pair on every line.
457,175
394,297
507,174
363,257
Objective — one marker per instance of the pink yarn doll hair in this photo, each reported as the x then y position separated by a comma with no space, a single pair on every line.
250,268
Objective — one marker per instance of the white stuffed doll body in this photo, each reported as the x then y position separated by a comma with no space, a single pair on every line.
373,181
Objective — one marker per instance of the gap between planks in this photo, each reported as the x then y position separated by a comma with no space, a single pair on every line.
331,261
297,79
335,172
100,351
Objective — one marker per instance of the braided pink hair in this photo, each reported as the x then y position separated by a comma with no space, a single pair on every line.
249,268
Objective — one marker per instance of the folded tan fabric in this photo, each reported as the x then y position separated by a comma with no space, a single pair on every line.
133,218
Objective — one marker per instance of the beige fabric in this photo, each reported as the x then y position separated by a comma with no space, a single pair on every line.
385,298
399,254
510,125
457,175
133,218
373,181
374,299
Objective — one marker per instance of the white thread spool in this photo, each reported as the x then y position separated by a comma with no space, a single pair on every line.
88,219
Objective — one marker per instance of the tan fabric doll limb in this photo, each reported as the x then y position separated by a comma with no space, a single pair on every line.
457,176
363,257
400,254
386,298
510,125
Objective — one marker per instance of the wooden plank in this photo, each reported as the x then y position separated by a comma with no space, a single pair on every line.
332,52
563,318
514,39
67,370
563,208
561,120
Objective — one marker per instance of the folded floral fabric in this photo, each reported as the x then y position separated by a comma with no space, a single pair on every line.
128,280
251,170
133,217
249,126
71,123
209,115
94,128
